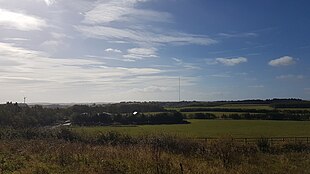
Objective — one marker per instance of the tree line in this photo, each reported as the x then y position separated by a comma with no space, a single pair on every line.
21,116
86,119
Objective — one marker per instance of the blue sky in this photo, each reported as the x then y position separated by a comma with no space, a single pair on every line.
136,50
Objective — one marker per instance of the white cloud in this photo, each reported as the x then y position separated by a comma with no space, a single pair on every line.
153,89
32,65
257,86
42,77
123,11
238,35
282,61
113,50
185,65
59,36
51,43
221,75
35,71
122,21
49,2
179,61
15,39
141,53
20,21
142,36
231,61
290,76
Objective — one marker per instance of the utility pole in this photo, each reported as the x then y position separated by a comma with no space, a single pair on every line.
179,88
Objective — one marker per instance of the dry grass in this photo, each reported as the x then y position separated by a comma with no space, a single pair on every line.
153,154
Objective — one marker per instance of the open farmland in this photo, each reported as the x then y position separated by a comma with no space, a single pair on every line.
213,128
228,106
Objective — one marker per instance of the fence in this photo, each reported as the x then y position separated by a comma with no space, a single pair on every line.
272,140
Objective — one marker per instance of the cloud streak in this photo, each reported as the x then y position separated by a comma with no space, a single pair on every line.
238,35
141,53
290,76
231,61
49,2
30,70
111,50
143,37
29,64
20,21
123,11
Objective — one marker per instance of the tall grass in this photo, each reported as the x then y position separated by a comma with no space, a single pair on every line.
62,151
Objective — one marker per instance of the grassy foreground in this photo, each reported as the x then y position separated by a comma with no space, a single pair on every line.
119,153
213,128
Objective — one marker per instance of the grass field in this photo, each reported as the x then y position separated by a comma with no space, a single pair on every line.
245,106
229,106
213,128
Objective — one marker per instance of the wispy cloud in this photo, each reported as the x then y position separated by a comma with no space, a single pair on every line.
282,61
141,53
179,61
257,86
186,65
49,2
112,50
238,35
220,75
153,89
231,61
15,39
123,11
20,21
143,37
51,43
32,65
290,76
124,22
38,72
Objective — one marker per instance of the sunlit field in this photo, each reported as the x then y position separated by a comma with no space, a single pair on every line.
213,128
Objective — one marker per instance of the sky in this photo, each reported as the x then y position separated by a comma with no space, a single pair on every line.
63,51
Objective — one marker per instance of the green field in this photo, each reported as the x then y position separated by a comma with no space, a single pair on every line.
213,128
189,114
245,106
229,106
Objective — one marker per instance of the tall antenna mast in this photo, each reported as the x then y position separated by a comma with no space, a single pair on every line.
25,100
179,88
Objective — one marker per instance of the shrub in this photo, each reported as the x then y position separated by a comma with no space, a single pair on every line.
114,138
66,134
264,144
227,151
296,147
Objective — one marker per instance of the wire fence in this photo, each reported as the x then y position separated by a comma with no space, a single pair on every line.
272,140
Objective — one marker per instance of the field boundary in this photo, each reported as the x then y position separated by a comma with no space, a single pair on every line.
272,140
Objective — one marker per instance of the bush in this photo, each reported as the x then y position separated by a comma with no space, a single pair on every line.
114,138
204,116
227,151
66,134
264,145
296,147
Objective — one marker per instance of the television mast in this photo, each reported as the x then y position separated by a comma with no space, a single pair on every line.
25,100
179,88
